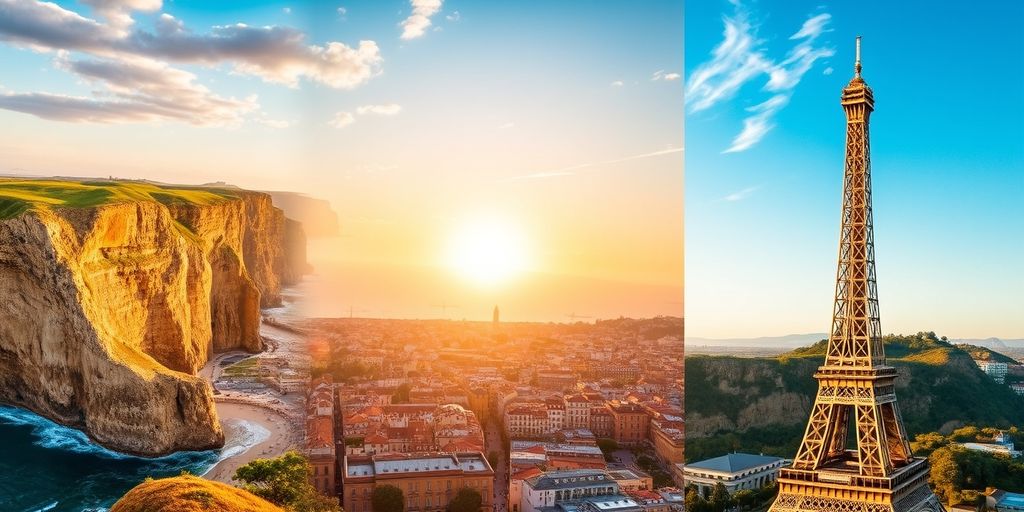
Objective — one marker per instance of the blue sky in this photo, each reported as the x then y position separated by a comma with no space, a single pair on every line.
947,161
562,120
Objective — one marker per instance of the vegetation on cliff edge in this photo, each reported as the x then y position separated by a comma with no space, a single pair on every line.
187,493
20,195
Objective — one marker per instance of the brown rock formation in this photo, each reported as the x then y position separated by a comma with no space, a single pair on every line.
106,313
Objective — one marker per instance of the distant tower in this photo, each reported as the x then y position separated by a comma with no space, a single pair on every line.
495,319
881,474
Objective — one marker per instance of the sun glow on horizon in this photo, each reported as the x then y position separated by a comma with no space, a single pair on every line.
488,251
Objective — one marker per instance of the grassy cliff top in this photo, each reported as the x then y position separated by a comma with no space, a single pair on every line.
187,493
20,195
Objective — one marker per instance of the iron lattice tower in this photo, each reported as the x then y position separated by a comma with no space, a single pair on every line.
855,385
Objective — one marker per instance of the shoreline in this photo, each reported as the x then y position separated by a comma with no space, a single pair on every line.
238,417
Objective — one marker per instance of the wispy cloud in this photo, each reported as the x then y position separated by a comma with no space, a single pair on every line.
662,75
740,195
741,58
588,167
388,109
419,21
455,16
617,83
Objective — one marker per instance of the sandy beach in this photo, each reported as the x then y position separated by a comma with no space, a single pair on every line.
242,424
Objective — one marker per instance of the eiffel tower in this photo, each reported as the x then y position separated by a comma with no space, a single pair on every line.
856,389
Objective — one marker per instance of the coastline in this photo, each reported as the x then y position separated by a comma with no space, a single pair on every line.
259,423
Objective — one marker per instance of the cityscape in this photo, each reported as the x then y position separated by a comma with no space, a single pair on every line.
428,256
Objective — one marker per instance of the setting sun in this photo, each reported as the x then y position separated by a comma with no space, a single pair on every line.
487,251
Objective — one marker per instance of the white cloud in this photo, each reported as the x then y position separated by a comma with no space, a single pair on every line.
342,119
388,109
657,75
741,57
274,53
419,21
286,10
133,90
617,83
740,195
756,126
118,12
672,76
827,71
455,16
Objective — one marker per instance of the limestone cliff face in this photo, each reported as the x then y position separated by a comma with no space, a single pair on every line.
106,313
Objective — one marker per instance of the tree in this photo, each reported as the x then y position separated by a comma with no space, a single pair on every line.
387,498
284,481
493,458
607,445
466,500
720,499
745,498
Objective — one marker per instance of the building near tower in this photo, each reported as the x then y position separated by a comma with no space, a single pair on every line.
736,471
855,385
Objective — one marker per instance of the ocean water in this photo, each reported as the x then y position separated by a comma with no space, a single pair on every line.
48,467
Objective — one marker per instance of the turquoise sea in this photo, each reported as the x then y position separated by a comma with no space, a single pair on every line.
47,467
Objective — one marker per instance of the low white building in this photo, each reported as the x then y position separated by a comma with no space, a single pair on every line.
736,471
995,370
554,487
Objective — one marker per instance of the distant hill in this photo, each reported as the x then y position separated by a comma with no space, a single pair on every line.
788,341
316,215
985,354
189,493
993,343
762,404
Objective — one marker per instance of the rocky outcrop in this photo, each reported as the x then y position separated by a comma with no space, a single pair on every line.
187,493
107,312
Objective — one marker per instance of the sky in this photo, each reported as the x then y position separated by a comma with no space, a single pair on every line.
554,129
764,164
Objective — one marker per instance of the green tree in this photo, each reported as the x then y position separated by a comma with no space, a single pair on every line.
493,457
745,499
720,499
466,500
387,498
284,481
607,445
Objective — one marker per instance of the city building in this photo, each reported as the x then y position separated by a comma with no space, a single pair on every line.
552,488
736,471
1003,501
319,443
632,479
630,424
1001,445
994,369
429,481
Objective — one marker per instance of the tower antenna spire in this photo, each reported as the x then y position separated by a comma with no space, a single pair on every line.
856,66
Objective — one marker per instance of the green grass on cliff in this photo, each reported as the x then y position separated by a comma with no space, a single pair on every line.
939,388
18,196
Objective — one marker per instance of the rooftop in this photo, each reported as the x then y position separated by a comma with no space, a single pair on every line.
734,462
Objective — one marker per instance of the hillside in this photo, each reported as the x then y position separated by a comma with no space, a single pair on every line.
762,404
189,493
114,293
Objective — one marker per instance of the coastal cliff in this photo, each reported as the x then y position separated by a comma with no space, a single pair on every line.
113,295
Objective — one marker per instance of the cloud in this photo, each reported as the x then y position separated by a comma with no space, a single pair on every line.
455,16
740,58
617,83
388,109
662,75
740,195
506,126
419,21
827,71
274,53
118,12
286,10
138,90
756,126
572,170
342,119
